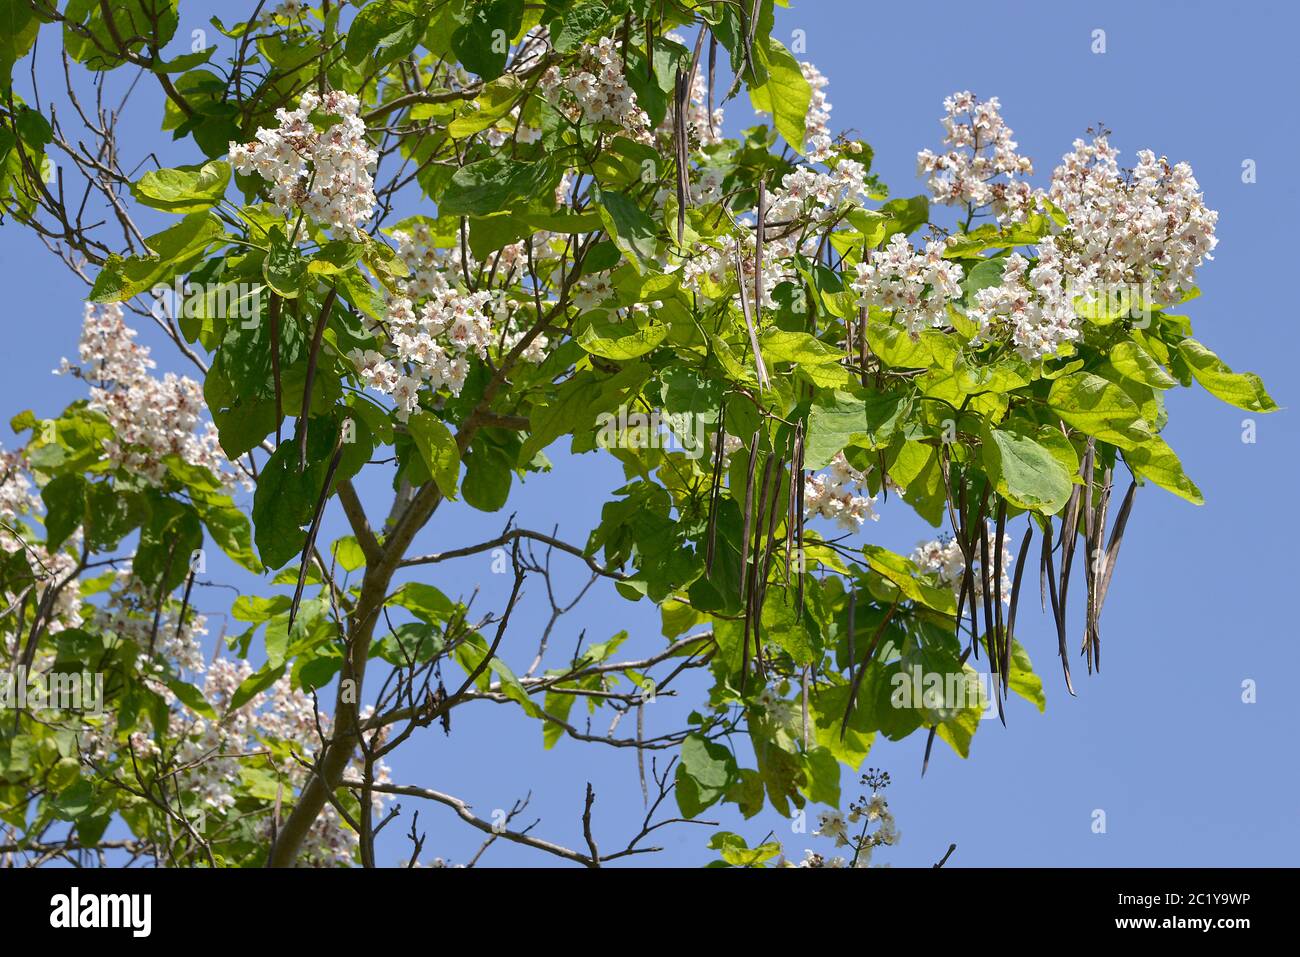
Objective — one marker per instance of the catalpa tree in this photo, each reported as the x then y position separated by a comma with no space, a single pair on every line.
415,244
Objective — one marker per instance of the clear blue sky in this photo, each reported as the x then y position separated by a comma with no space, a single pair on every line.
1161,741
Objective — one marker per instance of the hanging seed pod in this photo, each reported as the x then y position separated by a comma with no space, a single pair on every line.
273,315
1004,645
799,519
1057,614
748,519
715,491
312,358
1015,592
760,369
1116,539
862,668
680,150
757,570
791,517
649,48
1079,498
1096,565
864,350
713,65
760,228
314,528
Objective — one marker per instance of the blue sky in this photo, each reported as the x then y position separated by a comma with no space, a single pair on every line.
1161,741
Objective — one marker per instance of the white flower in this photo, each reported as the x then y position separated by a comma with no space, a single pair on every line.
916,286
832,824
327,175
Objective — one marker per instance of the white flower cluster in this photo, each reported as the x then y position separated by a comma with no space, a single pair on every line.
598,92
433,327
151,418
915,285
50,571
980,149
942,557
16,499
833,824
837,495
212,753
128,614
1032,304
1151,227
328,175
817,133
818,196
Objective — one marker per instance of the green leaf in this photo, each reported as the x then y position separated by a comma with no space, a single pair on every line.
843,419
386,31
186,189
620,341
18,26
823,772
1245,390
174,251
1025,473
1023,681
437,447
633,231
1134,362
192,698
1155,460
254,685
491,105
492,185
705,770
1099,408
784,94
483,43
285,499
65,507
903,574
285,266
229,528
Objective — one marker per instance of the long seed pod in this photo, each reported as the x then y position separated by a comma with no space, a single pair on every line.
862,668
864,350
715,492
1015,588
313,357
273,314
713,65
803,682
760,369
1116,539
685,82
991,638
680,96
649,47
996,574
1081,497
748,517
799,478
758,570
1056,608
314,528
929,740
791,517
759,230
1097,563
1090,562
